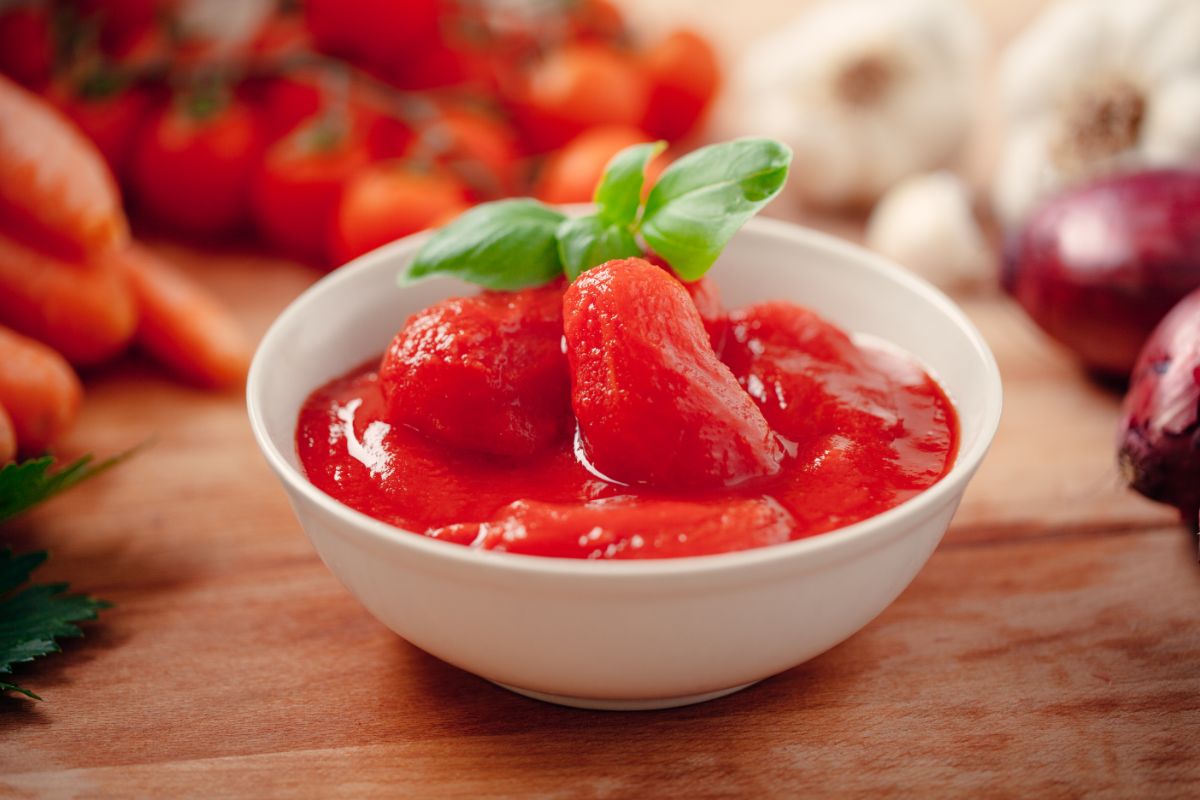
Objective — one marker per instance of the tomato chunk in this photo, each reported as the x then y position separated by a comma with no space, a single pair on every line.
483,373
654,404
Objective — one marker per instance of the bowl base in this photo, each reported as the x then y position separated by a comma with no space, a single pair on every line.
597,704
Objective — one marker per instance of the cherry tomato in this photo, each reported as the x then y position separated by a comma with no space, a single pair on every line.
387,201
480,148
435,66
300,182
193,162
684,76
578,87
570,175
109,115
373,32
494,42
596,19
26,45
285,101
123,23
386,136
454,58
281,35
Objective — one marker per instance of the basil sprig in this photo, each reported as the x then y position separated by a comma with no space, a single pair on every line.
695,208
508,244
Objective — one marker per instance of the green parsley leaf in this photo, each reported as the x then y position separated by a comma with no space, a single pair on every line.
33,617
508,244
25,484
619,193
586,242
701,200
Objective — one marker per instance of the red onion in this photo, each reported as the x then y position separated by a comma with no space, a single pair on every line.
1099,265
1159,439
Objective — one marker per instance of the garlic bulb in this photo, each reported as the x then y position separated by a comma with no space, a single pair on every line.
864,92
1095,86
925,223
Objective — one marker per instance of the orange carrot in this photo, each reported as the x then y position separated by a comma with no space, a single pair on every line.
8,438
86,312
54,184
38,389
182,324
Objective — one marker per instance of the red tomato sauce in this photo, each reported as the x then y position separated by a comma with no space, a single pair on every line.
863,426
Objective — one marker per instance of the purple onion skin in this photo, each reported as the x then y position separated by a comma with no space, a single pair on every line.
1099,265
1159,437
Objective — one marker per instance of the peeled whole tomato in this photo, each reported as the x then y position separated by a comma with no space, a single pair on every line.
1159,441
1099,265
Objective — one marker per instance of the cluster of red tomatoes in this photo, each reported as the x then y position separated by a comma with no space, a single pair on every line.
333,126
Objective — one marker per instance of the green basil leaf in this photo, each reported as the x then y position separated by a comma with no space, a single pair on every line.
586,242
508,244
701,200
619,193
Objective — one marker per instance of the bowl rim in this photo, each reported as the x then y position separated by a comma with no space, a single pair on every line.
900,517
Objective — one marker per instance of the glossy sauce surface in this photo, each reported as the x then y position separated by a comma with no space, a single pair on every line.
863,426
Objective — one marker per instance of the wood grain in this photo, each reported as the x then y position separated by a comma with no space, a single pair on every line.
1048,649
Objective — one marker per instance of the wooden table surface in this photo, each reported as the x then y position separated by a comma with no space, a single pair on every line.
1048,649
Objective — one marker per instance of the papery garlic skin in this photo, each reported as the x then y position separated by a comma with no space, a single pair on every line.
926,224
1095,86
864,92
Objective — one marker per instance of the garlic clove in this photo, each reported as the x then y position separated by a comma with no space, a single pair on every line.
1064,48
889,161
877,165
1171,133
829,160
925,223
1139,27
936,119
957,37
1025,170
1160,38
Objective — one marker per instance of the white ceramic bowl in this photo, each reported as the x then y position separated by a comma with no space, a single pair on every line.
640,634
